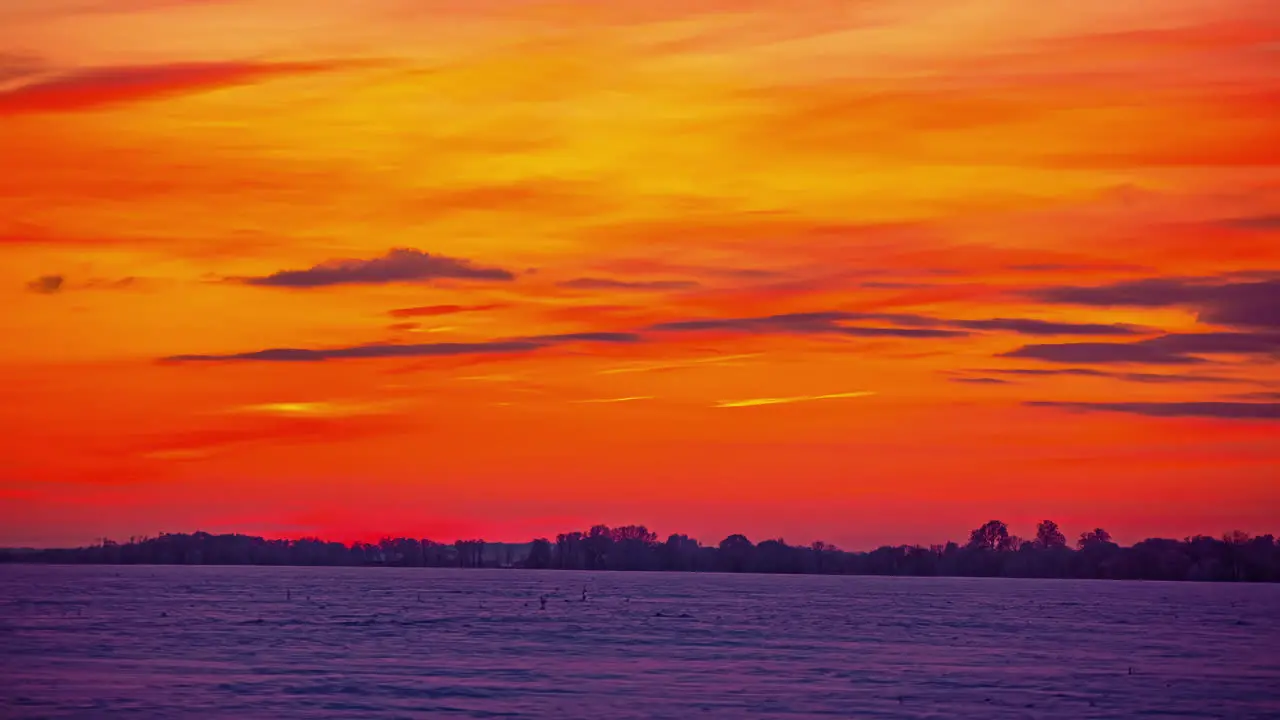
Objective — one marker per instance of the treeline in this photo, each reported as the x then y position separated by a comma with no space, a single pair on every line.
991,551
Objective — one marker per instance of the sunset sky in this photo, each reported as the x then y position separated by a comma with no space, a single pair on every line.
868,271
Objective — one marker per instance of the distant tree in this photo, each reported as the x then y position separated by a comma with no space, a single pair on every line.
1097,536
993,535
679,552
820,551
539,555
991,551
735,553
1049,536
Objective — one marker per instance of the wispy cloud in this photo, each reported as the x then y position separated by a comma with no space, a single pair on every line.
1170,349
715,361
1140,377
398,265
98,87
756,402
594,283
46,284
607,401
316,409
392,350
815,323
436,310
1221,410
1260,223
905,325
1105,353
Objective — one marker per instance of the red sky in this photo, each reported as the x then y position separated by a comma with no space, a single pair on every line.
868,272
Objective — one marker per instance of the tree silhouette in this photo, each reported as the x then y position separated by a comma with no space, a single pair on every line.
992,551
993,535
1094,537
1049,536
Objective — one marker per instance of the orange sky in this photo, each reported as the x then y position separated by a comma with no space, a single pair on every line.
865,271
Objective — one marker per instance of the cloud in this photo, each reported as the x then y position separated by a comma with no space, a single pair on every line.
1249,304
1261,395
316,409
756,402
1171,349
910,326
46,284
1069,267
800,324
1024,326
1101,353
93,88
1155,378
1218,342
593,283
613,400
392,350
1261,223
714,361
981,381
107,284
14,67
1222,410
436,310
398,265
51,284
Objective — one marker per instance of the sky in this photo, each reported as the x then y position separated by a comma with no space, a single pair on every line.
871,272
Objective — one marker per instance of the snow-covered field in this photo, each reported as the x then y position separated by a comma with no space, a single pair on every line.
208,642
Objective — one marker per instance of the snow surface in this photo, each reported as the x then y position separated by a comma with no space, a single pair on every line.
210,642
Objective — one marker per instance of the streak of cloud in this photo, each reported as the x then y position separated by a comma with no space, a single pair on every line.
316,409
717,361
98,87
391,350
756,402
1219,410
593,283
437,310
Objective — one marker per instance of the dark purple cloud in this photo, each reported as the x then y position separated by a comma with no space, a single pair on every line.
1261,395
92,88
1211,343
1068,267
1023,326
46,284
905,325
1154,378
813,323
398,265
981,381
1222,410
392,350
1171,349
594,283
1244,304
1089,353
